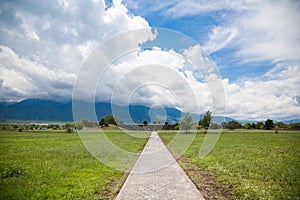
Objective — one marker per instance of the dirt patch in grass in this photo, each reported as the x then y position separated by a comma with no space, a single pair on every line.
205,181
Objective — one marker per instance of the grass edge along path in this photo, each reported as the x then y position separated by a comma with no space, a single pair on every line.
245,164
55,165
206,182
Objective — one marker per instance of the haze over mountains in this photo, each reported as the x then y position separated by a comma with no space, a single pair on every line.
48,110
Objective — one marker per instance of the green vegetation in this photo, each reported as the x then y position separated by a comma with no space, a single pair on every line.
55,165
109,119
205,121
247,164
186,122
231,125
269,124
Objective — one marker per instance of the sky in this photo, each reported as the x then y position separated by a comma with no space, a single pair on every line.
253,43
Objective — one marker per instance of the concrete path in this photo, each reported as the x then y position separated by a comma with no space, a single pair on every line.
157,175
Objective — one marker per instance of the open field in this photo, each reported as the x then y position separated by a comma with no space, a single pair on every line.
56,165
245,164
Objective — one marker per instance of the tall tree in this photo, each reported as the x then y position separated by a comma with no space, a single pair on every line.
205,121
187,122
269,124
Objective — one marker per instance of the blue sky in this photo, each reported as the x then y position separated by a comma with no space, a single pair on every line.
210,15
254,43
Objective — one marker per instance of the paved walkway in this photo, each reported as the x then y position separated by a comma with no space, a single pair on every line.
157,175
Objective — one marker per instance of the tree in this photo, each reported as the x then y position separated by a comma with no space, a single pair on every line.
103,122
108,119
259,125
253,125
205,121
269,124
176,126
224,124
233,125
247,126
186,122
295,126
280,124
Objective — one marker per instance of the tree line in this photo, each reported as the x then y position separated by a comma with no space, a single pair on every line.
186,123
206,122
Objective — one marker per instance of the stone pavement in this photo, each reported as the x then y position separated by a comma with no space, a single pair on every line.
157,175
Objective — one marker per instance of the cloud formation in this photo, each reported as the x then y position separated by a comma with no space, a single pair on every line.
266,30
273,95
258,30
43,45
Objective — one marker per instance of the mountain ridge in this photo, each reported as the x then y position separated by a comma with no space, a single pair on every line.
49,110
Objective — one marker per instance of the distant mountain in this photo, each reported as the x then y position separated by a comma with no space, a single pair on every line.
36,109
47,110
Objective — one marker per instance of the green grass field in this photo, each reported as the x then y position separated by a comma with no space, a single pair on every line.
56,165
247,164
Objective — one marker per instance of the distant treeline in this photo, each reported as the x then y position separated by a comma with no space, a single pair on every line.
110,119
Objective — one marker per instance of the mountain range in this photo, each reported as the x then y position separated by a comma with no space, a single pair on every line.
48,110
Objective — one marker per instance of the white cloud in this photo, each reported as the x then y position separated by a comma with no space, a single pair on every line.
193,7
27,79
54,38
220,37
258,30
164,81
156,78
33,36
182,8
266,30
271,96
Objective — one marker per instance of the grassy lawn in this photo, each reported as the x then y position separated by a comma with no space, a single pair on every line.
246,164
56,165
